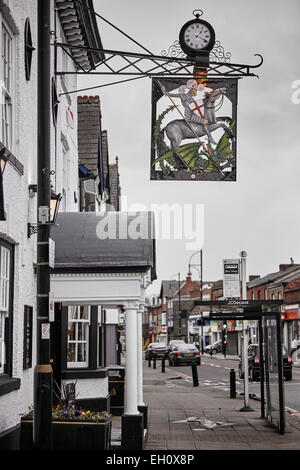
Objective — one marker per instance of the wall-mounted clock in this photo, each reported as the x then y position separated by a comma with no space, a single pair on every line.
197,38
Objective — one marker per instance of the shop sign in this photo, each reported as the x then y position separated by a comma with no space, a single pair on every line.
194,129
230,325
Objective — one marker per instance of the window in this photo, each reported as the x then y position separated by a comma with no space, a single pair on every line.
5,303
266,294
78,336
279,295
6,84
89,193
65,175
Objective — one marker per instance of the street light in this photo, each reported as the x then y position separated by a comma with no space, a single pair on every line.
246,407
4,159
54,206
197,266
52,213
179,295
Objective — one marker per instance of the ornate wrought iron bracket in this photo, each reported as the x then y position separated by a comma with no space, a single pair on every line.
149,65
31,229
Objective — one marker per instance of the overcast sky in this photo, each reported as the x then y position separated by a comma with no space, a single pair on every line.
259,213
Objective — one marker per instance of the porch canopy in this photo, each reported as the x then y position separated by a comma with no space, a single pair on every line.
103,258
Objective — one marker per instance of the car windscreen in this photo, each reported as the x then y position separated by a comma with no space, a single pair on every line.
158,346
186,347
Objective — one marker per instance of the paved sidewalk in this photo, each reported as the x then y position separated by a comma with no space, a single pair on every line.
220,426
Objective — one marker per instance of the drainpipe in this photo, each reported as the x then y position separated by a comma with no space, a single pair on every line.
43,375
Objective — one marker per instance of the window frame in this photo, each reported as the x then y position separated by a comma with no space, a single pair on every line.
6,314
86,322
8,93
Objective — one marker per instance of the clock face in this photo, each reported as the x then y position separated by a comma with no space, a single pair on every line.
197,36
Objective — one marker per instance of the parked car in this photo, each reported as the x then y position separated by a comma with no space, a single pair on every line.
184,354
157,351
214,348
174,342
254,363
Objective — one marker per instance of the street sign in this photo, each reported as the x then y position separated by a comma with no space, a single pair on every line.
45,330
51,307
51,253
231,278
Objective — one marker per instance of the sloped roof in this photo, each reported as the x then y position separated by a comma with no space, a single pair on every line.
80,29
170,287
80,244
291,275
271,277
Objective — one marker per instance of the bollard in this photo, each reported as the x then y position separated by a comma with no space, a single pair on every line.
195,375
154,363
149,362
232,384
163,366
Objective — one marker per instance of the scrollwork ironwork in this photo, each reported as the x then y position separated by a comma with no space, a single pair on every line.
218,54
174,51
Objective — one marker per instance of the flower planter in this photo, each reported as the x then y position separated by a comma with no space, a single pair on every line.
71,434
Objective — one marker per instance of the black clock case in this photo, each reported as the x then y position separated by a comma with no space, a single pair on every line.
193,52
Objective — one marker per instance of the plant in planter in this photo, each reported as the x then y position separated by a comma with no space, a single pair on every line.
72,428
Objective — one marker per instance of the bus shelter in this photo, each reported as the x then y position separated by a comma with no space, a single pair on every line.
268,315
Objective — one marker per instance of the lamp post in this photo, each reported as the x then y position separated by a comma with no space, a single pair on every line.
43,374
200,270
179,295
246,406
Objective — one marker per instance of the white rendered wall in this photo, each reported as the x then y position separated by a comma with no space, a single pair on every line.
90,388
20,208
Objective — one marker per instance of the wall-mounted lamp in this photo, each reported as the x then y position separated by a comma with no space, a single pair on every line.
51,211
3,160
54,206
32,190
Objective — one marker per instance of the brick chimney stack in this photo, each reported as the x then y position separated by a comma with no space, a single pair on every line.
284,267
252,277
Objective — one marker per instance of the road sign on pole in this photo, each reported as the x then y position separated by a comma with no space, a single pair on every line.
231,278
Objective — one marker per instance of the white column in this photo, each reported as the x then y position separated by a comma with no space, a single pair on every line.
140,399
131,360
